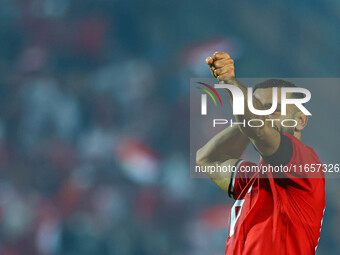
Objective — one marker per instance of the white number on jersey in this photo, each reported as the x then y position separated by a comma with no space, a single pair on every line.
233,216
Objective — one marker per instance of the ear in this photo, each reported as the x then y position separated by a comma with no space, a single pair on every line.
302,120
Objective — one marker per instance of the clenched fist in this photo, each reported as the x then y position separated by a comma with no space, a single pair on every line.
221,66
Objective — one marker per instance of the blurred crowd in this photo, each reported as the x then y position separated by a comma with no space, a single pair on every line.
94,132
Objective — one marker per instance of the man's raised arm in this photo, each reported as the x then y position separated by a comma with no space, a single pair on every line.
266,139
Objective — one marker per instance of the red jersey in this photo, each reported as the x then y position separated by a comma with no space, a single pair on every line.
274,216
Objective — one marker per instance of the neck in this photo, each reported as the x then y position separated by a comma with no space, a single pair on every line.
297,135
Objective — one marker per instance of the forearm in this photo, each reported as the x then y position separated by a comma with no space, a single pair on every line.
266,138
227,144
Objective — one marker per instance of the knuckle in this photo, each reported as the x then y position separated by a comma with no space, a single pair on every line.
218,63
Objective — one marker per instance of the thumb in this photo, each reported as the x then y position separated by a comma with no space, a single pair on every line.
209,60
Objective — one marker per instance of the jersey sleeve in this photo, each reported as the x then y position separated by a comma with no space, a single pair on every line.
240,177
297,158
